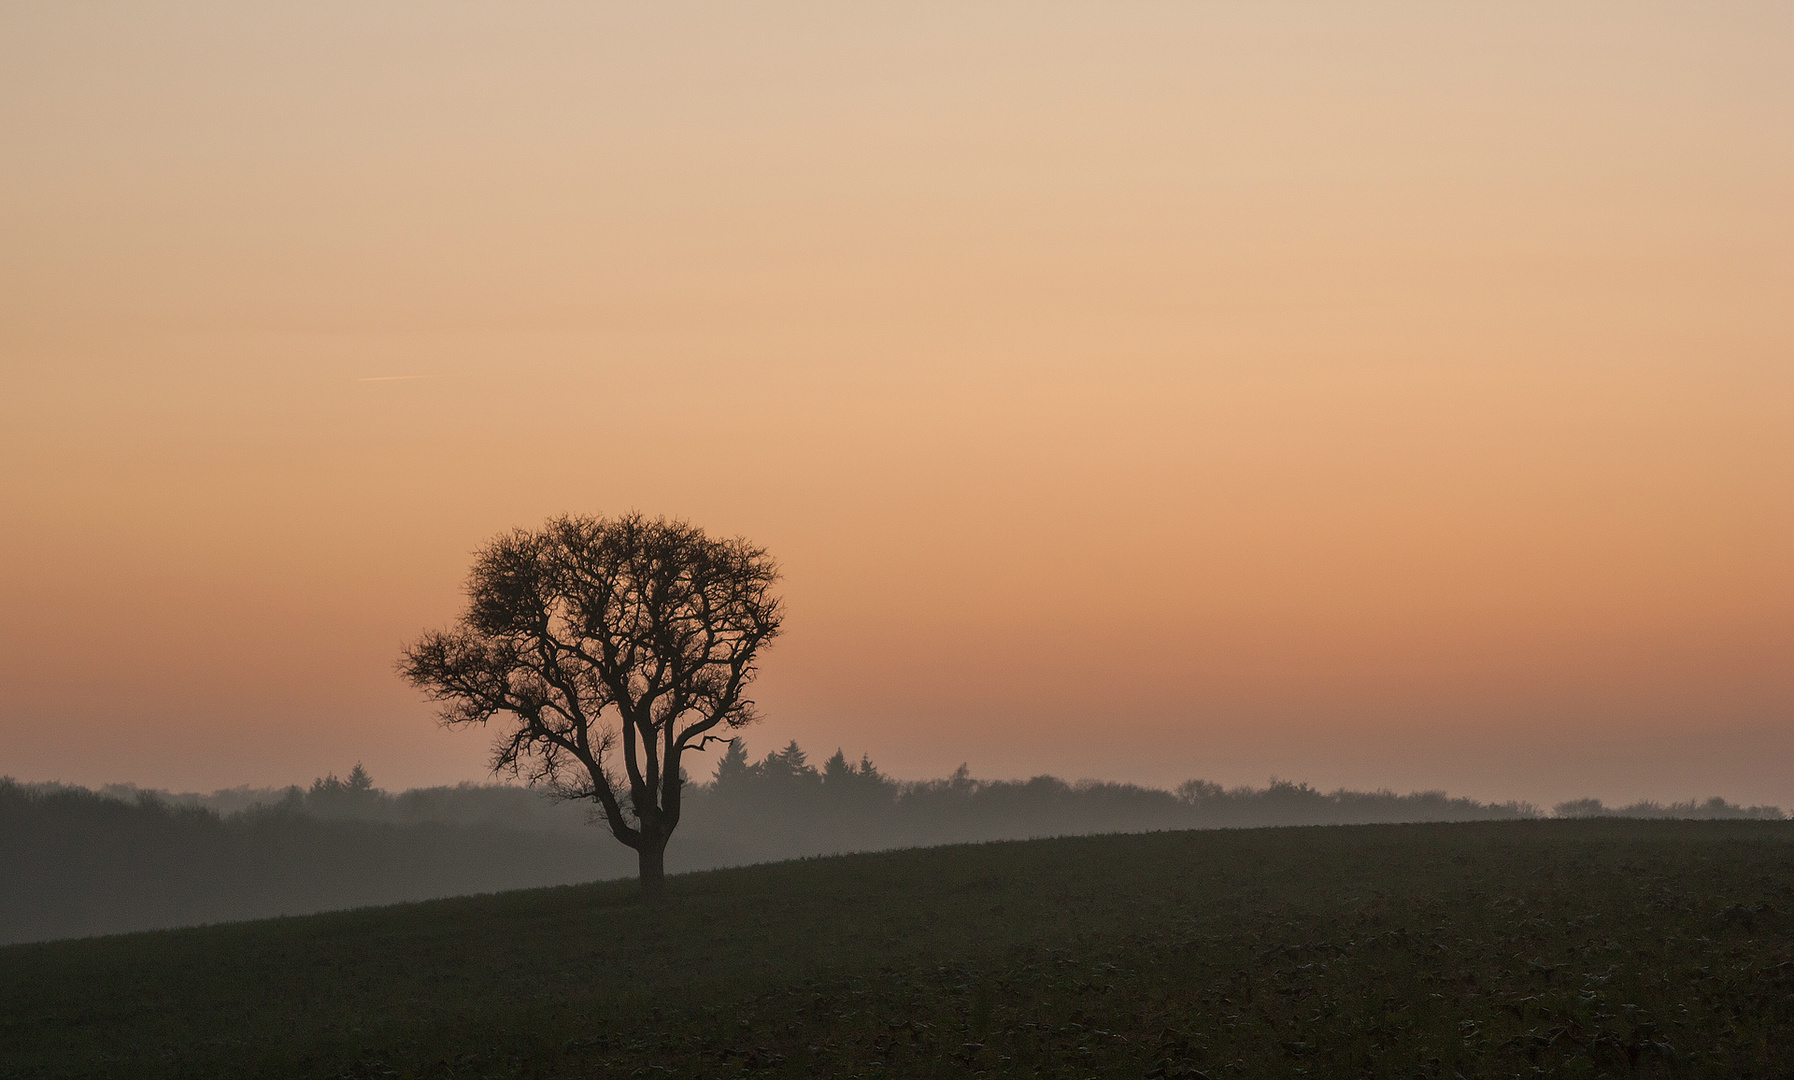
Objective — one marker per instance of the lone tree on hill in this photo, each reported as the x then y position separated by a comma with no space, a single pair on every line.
593,628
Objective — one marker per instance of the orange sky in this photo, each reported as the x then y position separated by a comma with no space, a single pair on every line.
1370,394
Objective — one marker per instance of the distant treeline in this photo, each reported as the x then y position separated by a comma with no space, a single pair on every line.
798,807
1714,809
75,862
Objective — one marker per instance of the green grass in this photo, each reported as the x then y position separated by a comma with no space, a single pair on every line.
1554,948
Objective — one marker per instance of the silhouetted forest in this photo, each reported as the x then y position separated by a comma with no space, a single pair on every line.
81,862
1714,809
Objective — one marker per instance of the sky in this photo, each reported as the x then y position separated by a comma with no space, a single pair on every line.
1366,394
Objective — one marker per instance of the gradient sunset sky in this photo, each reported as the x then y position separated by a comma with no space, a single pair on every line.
1371,394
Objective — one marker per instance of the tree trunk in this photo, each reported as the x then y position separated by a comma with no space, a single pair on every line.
653,856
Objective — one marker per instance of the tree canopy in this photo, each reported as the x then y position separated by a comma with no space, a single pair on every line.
610,647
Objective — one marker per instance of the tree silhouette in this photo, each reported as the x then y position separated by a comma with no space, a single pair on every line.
836,771
606,642
733,769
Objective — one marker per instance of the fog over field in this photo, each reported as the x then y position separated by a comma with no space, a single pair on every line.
126,858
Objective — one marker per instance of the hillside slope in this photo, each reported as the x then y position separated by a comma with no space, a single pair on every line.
1578,948
81,862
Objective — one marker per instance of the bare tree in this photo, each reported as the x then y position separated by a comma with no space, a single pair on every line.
593,631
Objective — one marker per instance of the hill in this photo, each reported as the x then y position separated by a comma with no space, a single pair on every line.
122,859
1557,948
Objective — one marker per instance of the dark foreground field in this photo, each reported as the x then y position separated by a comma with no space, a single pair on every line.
1542,948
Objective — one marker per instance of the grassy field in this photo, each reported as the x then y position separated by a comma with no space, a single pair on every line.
1543,948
